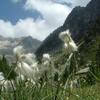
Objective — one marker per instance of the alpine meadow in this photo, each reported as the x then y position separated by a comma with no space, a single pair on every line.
50,50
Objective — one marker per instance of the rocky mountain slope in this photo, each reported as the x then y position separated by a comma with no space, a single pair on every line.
7,44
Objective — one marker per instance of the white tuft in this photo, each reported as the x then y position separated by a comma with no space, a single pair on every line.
28,58
46,56
19,50
25,69
73,46
69,44
1,76
65,36
65,45
7,85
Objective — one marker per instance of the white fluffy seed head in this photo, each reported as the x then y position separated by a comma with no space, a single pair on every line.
65,45
29,71
69,44
31,55
34,65
46,56
73,46
28,58
25,69
19,50
20,78
67,32
7,85
1,76
65,36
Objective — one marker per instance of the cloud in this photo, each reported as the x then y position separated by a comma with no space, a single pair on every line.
25,27
74,2
36,28
53,15
53,12
80,2
6,28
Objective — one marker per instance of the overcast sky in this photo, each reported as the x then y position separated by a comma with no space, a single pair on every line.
37,18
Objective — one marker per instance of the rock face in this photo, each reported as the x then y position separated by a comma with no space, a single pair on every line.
82,19
81,22
30,44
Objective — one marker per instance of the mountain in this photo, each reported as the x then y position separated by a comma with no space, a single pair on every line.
83,23
7,44
30,44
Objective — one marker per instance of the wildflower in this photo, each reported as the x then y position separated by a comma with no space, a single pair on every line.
73,46
28,58
1,76
45,62
65,36
7,85
20,78
46,56
48,66
19,50
26,64
77,95
34,67
29,82
25,69
65,45
69,44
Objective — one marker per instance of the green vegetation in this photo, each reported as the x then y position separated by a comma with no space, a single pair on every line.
55,91
8,70
49,93
60,87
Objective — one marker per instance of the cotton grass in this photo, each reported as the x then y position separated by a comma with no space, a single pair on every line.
69,44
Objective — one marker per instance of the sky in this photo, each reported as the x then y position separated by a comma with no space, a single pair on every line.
37,18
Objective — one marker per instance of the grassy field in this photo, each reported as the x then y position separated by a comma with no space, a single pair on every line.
55,77
48,92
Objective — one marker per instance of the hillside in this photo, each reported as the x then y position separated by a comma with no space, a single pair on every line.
7,44
84,24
